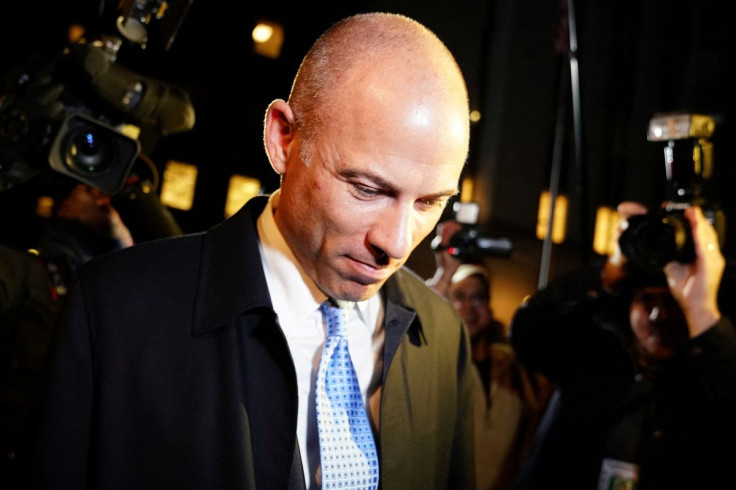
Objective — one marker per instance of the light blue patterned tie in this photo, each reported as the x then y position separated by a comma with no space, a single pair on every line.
348,452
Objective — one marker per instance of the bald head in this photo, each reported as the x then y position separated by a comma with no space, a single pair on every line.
370,148
375,59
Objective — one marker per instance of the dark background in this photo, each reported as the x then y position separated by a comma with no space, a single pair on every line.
635,58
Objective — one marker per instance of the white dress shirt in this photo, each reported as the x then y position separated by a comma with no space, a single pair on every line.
296,300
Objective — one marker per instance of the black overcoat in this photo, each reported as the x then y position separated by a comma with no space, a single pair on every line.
171,371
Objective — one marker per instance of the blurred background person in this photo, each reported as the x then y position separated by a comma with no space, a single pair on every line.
509,398
28,310
84,224
33,287
646,369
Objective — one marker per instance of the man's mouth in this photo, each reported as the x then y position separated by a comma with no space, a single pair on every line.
367,273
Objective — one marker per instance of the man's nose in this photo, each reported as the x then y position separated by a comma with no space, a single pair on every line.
392,232
658,312
654,313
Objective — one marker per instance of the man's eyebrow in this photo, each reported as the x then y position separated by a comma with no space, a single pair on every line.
349,173
442,195
387,186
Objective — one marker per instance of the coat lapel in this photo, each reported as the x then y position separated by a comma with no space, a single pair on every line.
232,293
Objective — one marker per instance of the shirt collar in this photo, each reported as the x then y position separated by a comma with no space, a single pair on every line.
294,294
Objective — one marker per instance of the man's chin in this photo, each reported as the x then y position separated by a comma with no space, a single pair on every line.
354,291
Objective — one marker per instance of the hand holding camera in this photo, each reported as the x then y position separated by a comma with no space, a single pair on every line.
683,239
446,263
653,240
466,241
694,282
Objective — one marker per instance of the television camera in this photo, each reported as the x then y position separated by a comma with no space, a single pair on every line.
79,113
652,240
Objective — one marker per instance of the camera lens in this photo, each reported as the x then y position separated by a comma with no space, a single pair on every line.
93,152
88,151
652,240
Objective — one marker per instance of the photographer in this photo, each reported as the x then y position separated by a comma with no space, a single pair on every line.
33,291
646,369
508,398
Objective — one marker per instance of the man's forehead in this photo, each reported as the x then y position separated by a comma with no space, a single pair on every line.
396,174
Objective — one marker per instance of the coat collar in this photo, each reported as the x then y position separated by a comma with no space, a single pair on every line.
231,278
399,319
232,282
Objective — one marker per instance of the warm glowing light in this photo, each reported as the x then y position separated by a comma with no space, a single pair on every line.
177,187
131,131
466,189
262,33
474,116
44,206
75,33
604,237
240,189
559,222
267,39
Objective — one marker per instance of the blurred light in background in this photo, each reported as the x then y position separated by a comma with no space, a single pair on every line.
268,38
240,189
559,221
606,220
44,206
466,189
177,188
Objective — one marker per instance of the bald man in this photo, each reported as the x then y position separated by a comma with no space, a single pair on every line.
192,362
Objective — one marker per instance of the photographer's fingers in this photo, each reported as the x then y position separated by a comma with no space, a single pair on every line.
626,210
695,286
709,259
446,264
447,229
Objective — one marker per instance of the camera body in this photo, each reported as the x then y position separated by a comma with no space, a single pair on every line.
471,243
652,240
92,152
79,113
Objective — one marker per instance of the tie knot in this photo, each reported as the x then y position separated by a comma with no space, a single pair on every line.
337,317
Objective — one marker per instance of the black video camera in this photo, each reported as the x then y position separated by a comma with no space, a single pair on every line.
80,113
652,240
471,243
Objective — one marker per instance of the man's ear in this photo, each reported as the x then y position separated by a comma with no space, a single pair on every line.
278,134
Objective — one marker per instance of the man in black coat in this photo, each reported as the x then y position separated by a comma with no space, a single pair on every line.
190,362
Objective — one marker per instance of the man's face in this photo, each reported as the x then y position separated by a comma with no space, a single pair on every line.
658,324
374,188
88,205
470,299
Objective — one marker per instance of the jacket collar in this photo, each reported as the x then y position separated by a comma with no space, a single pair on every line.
400,318
231,278
232,282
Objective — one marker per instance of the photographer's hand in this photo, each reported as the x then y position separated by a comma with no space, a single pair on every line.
446,264
92,207
695,285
